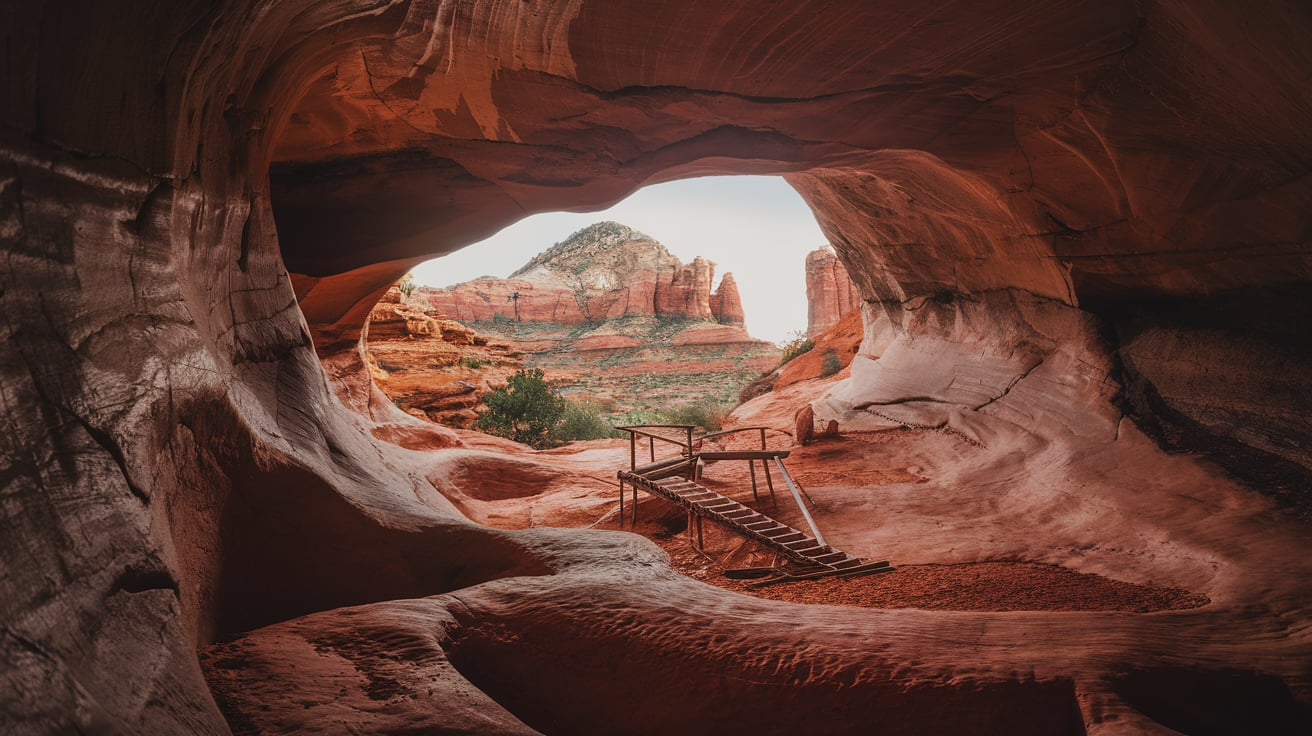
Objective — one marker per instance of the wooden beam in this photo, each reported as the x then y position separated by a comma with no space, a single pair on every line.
797,496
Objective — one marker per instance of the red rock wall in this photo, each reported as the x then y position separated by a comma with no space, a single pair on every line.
686,291
830,293
486,299
726,305
179,464
682,292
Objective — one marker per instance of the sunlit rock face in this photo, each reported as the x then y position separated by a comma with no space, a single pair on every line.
1087,207
606,271
830,293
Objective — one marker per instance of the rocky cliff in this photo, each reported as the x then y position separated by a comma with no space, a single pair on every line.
432,367
609,314
603,272
830,293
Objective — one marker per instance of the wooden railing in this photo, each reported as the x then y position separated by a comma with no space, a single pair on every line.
648,430
693,453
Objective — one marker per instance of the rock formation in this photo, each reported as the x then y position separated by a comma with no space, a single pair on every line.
609,314
1079,230
830,293
603,272
432,367
726,305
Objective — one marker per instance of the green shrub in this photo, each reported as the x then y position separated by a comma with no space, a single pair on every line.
706,413
797,346
526,410
829,364
583,420
473,363
760,386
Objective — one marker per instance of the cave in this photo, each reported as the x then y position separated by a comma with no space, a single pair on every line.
1082,240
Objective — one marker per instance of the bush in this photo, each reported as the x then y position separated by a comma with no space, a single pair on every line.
407,285
583,420
526,410
473,363
829,364
760,386
707,414
797,346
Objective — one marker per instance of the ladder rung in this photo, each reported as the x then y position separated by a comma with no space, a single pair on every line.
830,558
849,562
720,505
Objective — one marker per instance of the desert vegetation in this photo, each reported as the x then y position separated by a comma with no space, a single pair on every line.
529,410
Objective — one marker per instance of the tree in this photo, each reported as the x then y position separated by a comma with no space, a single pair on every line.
525,410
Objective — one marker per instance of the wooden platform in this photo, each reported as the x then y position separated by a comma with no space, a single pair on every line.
663,480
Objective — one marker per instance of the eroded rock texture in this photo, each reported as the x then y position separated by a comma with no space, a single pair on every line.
606,271
830,293
1053,212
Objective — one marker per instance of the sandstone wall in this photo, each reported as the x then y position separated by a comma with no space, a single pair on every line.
726,304
679,292
830,293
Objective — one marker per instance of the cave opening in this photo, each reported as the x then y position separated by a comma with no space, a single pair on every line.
661,308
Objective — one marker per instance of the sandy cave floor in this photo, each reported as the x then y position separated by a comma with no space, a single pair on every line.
839,472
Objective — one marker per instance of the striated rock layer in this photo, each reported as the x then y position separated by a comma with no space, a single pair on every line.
1054,214
603,272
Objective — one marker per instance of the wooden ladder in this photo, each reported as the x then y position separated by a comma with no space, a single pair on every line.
662,479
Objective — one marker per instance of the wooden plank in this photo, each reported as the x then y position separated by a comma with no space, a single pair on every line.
660,465
742,454
864,570
849,562
750,573
797,496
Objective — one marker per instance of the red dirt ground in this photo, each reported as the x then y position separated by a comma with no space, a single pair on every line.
975,586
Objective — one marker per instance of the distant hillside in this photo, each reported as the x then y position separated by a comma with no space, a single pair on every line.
605,246
608,313
601,273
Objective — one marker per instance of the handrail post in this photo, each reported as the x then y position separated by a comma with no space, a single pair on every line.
633,451
692,463
762,438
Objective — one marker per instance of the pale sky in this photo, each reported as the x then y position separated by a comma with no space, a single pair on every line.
756,227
